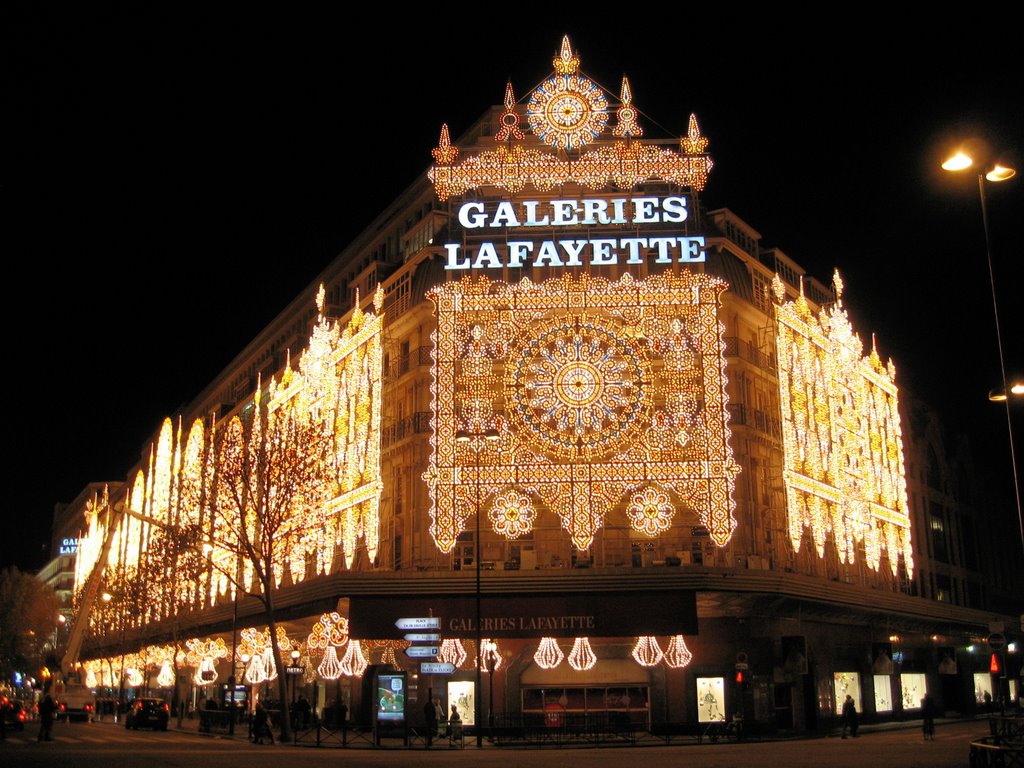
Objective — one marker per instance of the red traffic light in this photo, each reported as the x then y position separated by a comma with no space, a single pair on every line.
994,666
739,675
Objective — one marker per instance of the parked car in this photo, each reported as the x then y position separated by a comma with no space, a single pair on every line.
14,713
148,713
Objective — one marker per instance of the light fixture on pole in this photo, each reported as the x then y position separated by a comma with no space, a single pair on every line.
477,440
996,173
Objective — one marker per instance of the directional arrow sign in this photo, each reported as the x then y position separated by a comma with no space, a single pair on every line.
424,622
436,668
421,652
423,637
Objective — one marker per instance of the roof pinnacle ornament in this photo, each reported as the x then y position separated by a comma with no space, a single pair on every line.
627,113
509,118
444,152
693,143
566,63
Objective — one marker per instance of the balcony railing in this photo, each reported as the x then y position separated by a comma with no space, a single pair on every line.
736,347
759,420
417,423
418,357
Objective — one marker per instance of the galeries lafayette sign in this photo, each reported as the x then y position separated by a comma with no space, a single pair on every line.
517,249
562,614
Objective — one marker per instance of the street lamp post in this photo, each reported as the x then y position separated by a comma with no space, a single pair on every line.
491,650
476,439
997,173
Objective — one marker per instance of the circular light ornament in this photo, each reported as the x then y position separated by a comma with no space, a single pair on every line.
579,387
512,515
650,512
567,111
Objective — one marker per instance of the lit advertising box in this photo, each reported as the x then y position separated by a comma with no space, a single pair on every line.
391,697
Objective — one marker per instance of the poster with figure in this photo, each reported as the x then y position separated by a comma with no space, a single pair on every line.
710,699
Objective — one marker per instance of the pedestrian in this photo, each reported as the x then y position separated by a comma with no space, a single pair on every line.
302,712
47,708
430,716
261,725
928,717
850,719
454,725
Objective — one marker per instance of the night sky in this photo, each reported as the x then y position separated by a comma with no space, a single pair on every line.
175,179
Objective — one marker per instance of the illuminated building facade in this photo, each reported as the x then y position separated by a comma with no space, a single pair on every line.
688,475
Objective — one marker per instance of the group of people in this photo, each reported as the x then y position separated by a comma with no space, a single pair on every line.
851,720
433,713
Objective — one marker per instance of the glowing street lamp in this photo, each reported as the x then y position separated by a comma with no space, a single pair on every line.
476,440
995,173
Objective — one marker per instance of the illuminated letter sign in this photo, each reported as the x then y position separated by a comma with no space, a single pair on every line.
573,252
68,546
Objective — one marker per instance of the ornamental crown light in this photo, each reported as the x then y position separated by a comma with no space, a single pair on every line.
568,119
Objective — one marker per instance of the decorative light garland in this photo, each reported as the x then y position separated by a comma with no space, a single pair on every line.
338,386
621,399
843,445
354,663
628,125
582,656
548,655
330,667
647,652
166,677
452,652
677,655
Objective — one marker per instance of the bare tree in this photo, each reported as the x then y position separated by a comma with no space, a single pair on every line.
28,619
172,567
273,476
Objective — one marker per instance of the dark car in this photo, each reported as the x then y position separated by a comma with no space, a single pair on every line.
148,713
14,714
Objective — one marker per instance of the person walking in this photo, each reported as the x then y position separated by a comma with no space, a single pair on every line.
928,717
850,719
261,725
430,715
47,708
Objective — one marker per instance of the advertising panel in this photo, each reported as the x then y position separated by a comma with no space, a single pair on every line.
391,696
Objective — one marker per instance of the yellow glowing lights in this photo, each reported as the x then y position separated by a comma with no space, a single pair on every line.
601,393
452,652
624,165
354,663
582,656
330,667
647,652
844,469
311,443
512,515
490,657
548,655
165,679
677,655
509,119
650,512
330,631
958,162
628,125
568,112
